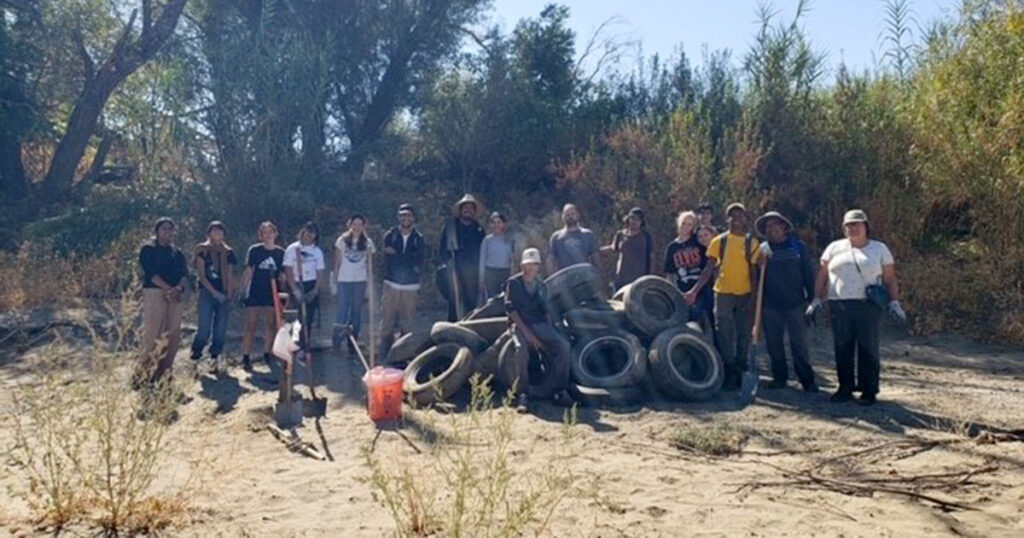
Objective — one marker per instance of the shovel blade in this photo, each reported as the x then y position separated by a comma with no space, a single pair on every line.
314,407
748,385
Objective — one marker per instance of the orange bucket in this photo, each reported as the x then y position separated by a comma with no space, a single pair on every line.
384,393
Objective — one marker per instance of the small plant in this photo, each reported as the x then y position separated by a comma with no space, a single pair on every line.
469,483
714,439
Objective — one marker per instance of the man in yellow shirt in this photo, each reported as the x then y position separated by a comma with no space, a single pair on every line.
734,256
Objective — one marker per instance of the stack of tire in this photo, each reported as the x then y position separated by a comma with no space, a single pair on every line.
623,348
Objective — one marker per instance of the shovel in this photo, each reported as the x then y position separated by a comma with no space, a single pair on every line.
748,387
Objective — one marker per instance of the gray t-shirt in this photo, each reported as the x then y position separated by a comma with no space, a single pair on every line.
570,247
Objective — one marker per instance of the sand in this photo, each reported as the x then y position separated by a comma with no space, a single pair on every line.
629,479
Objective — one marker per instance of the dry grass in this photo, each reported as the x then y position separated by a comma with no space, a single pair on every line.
470,482
713,440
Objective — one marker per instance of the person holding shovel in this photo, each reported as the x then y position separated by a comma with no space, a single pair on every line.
526,301
733,254
264,263
858,279
404,251
304,266
353,265
788,287
215,262
460,249
164,273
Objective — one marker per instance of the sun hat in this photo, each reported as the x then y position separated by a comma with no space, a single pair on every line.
531,255
762,222
469,199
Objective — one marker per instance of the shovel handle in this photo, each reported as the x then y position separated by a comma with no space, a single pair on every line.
758,307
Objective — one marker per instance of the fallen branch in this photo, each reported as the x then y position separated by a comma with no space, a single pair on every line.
295,443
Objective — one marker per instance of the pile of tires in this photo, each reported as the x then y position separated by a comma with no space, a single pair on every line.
624,349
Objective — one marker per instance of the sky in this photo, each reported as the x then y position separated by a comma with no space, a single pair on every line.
845,30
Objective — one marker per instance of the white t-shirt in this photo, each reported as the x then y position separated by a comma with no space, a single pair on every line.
312,261
844,281
353,261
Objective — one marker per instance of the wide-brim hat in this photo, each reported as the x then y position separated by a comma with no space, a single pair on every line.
469,199
762,222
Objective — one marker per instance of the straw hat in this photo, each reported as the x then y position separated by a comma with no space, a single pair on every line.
762,221
469,199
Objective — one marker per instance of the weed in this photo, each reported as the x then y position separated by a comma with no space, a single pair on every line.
714,439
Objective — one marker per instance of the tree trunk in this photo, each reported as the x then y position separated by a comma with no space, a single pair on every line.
13,183
76,138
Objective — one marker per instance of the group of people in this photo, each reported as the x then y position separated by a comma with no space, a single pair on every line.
716,269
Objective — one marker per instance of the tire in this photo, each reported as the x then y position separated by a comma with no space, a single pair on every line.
408,346
492,308
584,321
618,295
699,378
608,397
488,328
486,363
573,285
653,305
609,361
444,332
438,373
540,384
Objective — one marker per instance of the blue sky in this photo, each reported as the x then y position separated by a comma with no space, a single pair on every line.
845,30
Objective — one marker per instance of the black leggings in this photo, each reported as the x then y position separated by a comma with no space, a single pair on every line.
855,330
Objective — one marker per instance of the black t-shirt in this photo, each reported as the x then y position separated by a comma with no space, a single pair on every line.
167,262
469,237
266,264
532,307
217,260
686,260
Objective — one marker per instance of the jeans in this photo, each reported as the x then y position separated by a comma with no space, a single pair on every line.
776,324
213,318
732,324
350,305
558,352
494,280
855,330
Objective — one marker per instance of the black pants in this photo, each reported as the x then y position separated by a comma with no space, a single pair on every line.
468,275
855,329
312,307
776,324
559,353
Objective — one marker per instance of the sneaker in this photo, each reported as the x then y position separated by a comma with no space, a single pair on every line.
841,396
867,399
777,384
196,355
246,363
522,404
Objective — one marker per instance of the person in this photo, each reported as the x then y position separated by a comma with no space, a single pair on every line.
404,252
705,233
263,265
304,266
215,262
460,249
706,217
788,287
854,274
527,307
572,244
685,259
497,257
164,273
353,265
733,255
635,247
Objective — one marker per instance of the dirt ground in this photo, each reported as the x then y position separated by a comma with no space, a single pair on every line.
936,392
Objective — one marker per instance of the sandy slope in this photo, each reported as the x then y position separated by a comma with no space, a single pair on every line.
253,487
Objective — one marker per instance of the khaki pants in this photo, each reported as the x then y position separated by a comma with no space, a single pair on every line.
398,307
159,319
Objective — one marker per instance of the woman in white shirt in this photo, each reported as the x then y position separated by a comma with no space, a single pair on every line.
304,265
353,263
856,275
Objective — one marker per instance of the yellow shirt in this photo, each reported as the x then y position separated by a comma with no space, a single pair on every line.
734,272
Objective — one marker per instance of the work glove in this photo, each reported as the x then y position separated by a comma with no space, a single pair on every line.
812,309
897,311
766,250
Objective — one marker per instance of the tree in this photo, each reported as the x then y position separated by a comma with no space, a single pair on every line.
129,52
